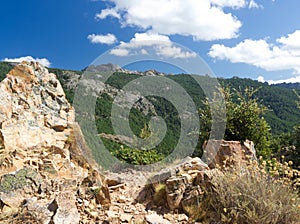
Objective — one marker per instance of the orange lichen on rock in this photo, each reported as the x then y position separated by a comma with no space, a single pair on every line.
24,72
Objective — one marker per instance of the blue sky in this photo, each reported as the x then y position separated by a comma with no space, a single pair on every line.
246,38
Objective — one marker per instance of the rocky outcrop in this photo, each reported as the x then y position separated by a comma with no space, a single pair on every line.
34,113
104,68
185,189
221,153
116,68
44,177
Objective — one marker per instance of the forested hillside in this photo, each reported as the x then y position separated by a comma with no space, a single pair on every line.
282,114
280,100
295,86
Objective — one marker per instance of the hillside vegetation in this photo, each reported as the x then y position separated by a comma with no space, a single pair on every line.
280,99
278,105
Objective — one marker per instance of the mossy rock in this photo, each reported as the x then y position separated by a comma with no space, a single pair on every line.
19,180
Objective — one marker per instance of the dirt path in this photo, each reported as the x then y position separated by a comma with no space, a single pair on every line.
125,208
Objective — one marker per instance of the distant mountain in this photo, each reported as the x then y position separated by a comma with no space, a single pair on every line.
280,99
289,85
103,68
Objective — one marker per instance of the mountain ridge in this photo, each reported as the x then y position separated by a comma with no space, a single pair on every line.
280,99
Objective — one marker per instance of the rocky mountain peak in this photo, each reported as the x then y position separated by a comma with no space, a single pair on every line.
43,173
33,109
103,68
116,68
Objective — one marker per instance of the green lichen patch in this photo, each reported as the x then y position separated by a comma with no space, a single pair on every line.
19,180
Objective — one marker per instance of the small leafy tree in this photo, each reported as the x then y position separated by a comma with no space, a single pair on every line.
297,129
244,120
296,137
296,153
287,145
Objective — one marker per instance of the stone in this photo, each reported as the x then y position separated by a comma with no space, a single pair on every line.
175,188
102,196
182,218
56,123
161,176
198,178
188,178
14,188
111,213
94,214
8,212
194,164
41,209
156,219
169,216
67,211
221,153
31,112
139,219
113,182
125,218
122,199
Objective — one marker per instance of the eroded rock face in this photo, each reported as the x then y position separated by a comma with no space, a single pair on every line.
42,168
175,188
221,153
186,188
35,112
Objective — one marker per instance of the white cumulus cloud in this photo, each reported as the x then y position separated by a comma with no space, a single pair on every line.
254,5
102,39
161,44
42,61
279,56
261,78
201,19
232,4
291,43
295,79
108,12
121,52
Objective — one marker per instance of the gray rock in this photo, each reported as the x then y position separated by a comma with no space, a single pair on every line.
156,219
175,188
67,211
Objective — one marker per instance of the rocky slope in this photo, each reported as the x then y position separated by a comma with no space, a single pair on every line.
45,178
43,174
170,194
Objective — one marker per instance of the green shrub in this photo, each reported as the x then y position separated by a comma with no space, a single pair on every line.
138,156
244,119
288,145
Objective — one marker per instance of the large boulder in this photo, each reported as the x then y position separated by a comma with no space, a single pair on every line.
34,110
186,189
221,153
43,171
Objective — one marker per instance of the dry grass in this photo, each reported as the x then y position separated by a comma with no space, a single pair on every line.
250,196
159,196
